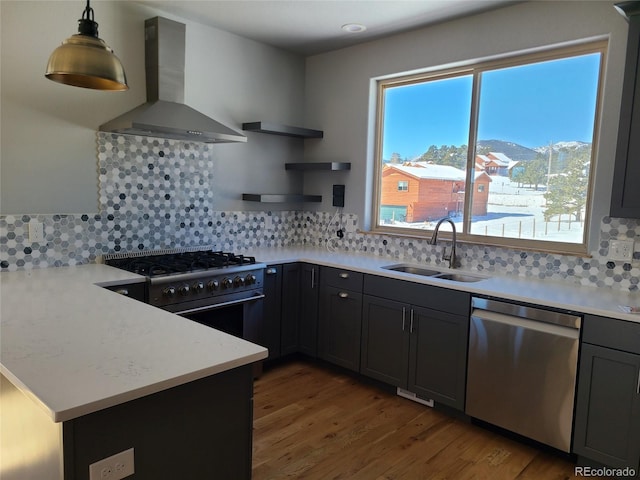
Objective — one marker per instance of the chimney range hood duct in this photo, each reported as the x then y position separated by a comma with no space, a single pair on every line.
165,115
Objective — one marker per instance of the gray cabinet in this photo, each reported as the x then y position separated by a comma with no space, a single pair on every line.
418,340
290,322
625,197
340,317
272,311
607,423
308,319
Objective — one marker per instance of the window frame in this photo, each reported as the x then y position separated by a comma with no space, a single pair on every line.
403,186
476,69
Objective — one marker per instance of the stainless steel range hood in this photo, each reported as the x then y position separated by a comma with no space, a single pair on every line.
165,115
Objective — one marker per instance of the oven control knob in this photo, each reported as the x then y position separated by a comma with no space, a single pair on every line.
213,285
238,281
169,292
250,279
197,287
183,290
227,283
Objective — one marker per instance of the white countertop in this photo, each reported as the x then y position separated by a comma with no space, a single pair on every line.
550,293
76,348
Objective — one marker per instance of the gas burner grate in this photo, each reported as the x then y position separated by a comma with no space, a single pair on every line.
180,262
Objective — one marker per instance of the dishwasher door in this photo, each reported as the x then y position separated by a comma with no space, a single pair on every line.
522,372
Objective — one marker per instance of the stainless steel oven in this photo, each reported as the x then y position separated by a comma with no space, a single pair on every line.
219,289
230,301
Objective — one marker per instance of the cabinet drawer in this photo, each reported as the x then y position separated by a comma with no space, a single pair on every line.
137,291
612,333
436,298
340,278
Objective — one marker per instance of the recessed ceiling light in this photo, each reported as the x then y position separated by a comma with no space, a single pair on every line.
353,28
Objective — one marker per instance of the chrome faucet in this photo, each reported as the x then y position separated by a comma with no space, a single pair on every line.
434,239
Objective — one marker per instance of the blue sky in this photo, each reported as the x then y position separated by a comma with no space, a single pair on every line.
531,105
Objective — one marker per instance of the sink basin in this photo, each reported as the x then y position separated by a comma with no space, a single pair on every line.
459,277
412,269
425,272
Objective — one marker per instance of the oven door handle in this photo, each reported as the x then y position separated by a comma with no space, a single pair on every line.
220,305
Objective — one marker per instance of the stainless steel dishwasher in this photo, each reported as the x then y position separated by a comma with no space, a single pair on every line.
522,370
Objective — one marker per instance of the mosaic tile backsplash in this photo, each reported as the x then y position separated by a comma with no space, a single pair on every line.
156,194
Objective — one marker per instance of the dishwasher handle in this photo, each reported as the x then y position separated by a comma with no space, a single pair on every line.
525,323
523,311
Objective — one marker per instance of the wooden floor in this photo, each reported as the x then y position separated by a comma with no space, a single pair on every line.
313,423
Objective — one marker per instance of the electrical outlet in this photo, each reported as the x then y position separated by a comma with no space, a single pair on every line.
621,250
351,225
268,222
36,231
114,467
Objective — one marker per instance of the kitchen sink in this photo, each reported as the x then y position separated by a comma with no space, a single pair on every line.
459,277
412,269
425,272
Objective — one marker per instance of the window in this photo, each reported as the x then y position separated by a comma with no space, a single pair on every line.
520,130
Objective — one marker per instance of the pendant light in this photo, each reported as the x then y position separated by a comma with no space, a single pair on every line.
84,60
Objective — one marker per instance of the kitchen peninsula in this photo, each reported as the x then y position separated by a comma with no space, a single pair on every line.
87,363
95,373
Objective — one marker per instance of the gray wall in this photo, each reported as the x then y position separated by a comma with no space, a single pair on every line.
49,151
339,92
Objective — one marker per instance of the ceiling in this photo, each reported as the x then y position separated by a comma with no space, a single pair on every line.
309,27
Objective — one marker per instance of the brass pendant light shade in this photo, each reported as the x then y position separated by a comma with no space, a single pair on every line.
84,60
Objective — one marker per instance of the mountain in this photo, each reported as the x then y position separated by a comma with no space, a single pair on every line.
510,149
573,145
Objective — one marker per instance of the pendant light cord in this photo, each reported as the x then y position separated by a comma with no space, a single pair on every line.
88,12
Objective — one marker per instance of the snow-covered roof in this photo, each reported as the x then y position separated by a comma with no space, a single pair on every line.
501,157
434,172
431,171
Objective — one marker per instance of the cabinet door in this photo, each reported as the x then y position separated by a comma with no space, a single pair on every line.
385,340
339,327
607,424
625,196
309,295
438,356
272,311
289,334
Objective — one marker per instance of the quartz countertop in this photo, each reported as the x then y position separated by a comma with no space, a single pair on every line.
551,293
75,348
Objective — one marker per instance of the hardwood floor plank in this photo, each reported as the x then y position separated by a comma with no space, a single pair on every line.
316,423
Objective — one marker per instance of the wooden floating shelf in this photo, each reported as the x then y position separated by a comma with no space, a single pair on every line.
311,166
277,129
280,198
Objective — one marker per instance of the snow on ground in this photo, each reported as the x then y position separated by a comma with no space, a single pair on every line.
515,212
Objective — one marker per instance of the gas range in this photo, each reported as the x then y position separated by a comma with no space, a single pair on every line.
192,280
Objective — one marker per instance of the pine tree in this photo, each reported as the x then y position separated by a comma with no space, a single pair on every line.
568,190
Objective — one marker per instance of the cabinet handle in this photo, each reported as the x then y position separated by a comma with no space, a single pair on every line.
344,275
404,317
411,321
343,295
638,386
313,277
271,271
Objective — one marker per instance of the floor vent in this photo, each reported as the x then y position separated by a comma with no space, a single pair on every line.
412,396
